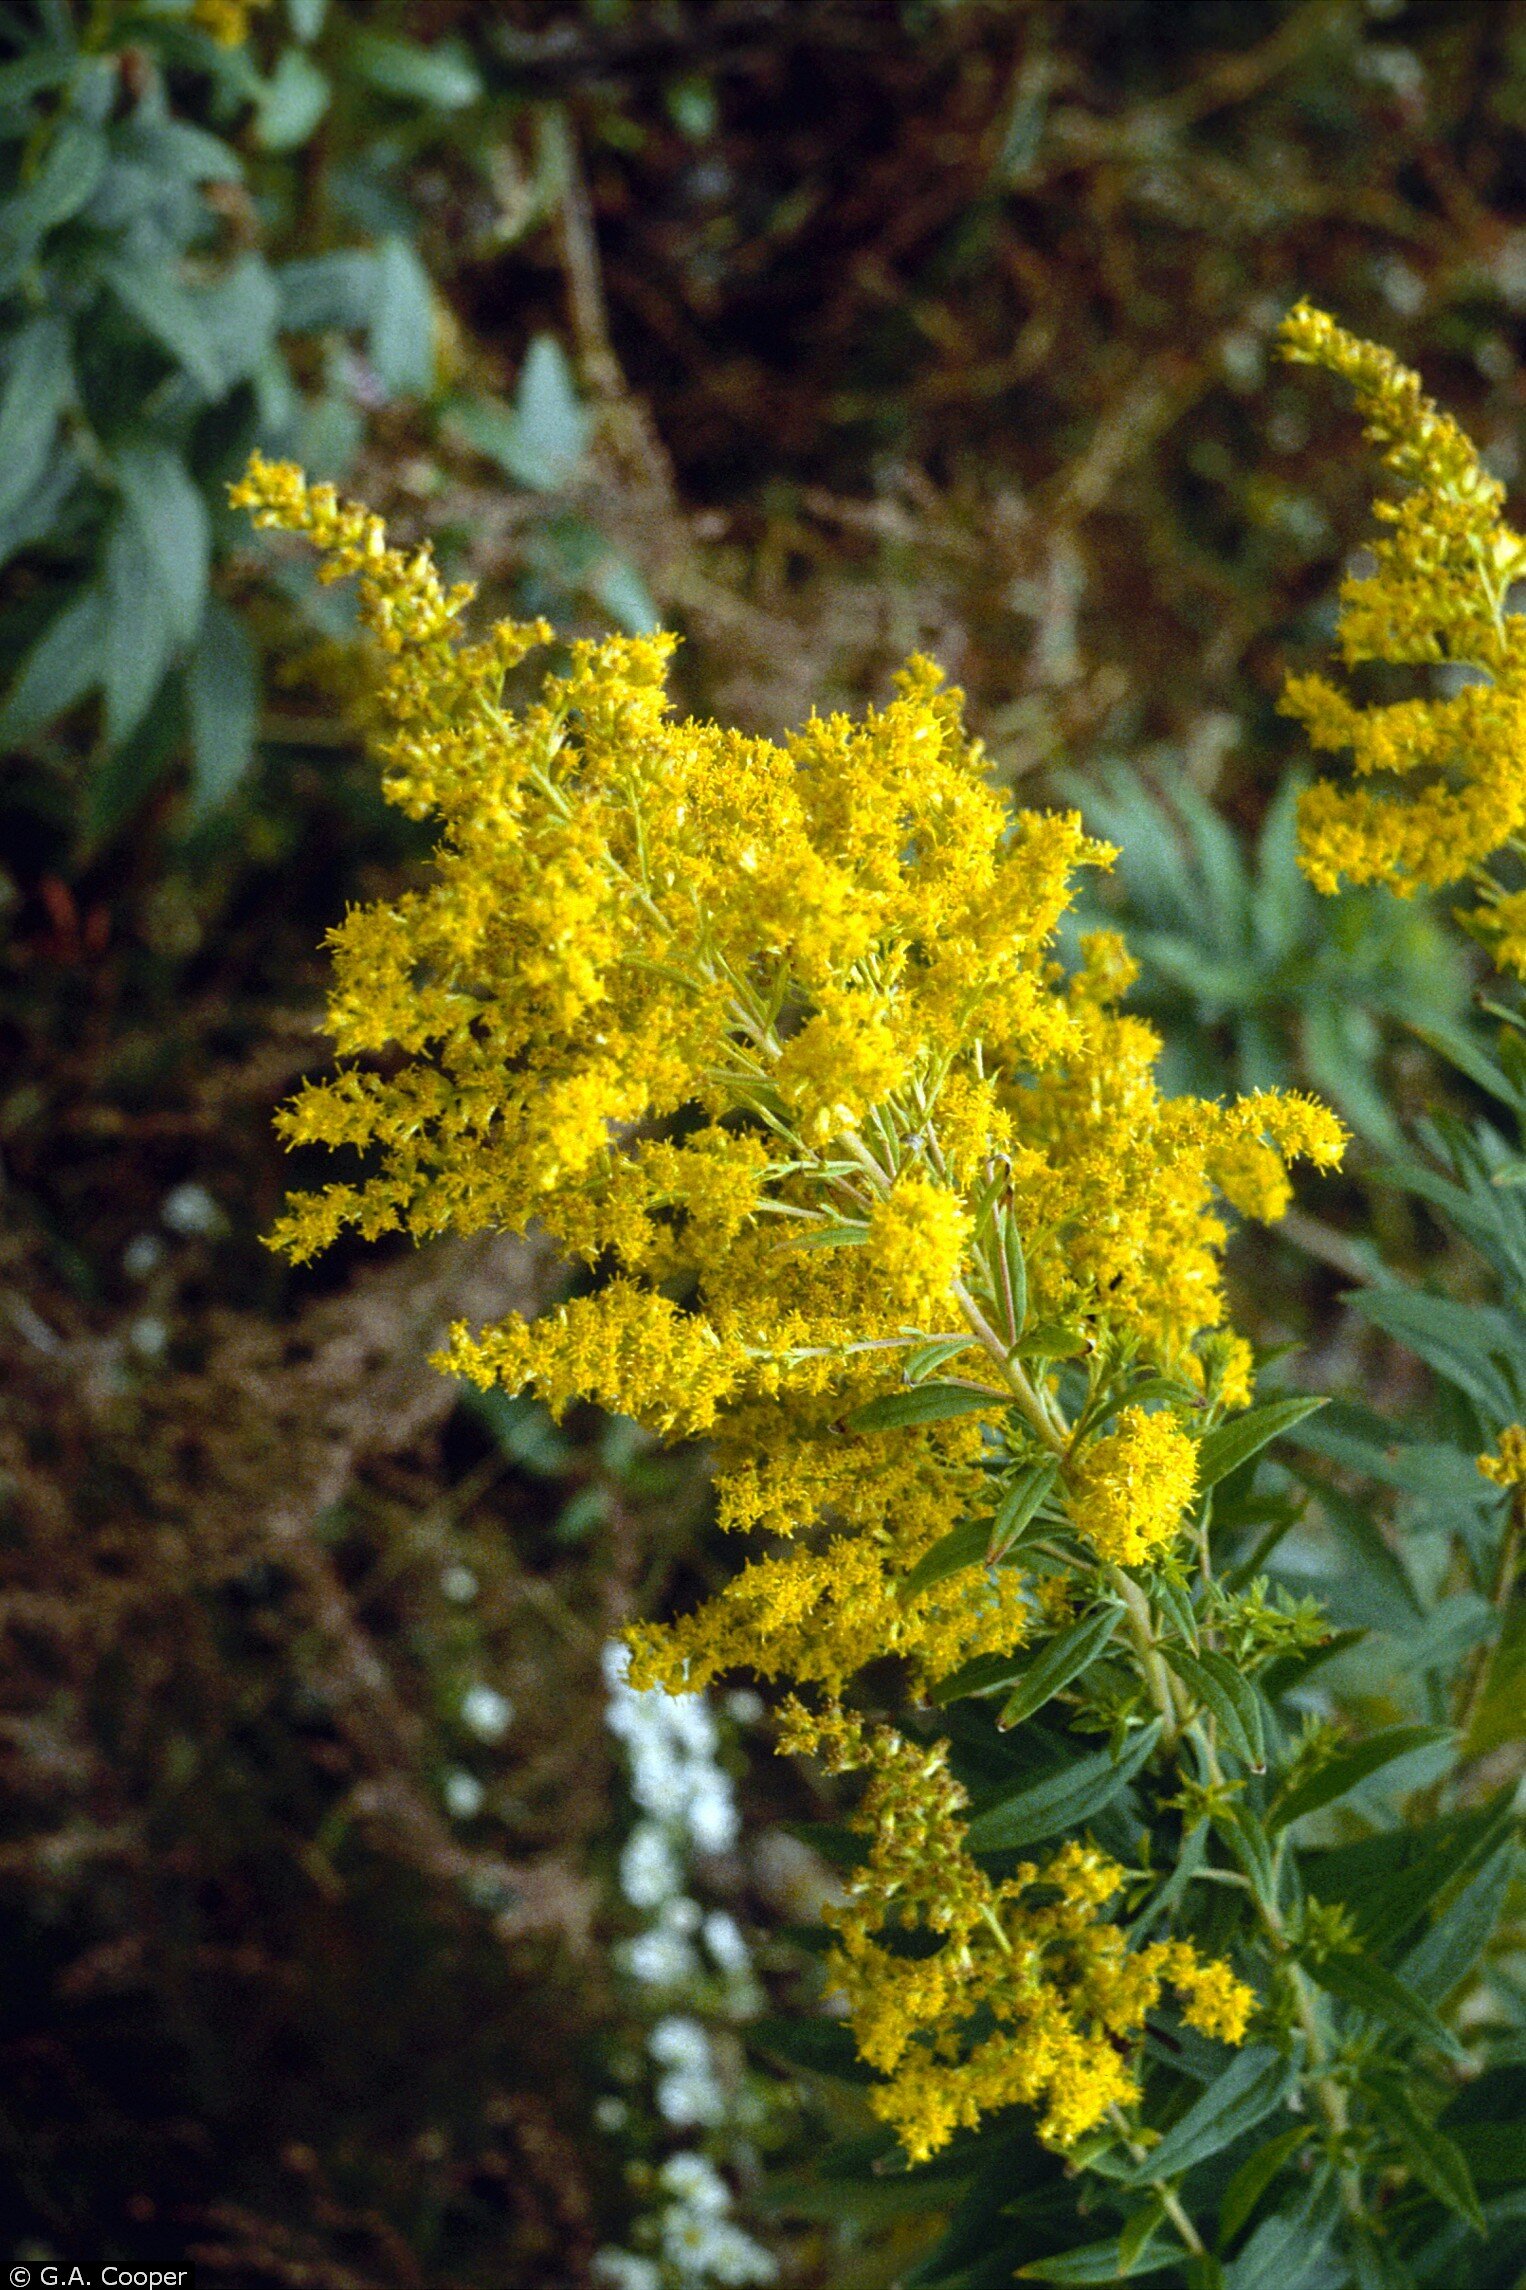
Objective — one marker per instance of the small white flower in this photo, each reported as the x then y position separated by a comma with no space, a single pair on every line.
649,1873
660,1959
190,1211
723,1938
695,2181
464,1795
459,1584
487,1713
678,2041
623,2270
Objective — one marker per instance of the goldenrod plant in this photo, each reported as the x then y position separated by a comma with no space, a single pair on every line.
1441,780
1144,1959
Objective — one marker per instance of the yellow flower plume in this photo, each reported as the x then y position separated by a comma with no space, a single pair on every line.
769,1038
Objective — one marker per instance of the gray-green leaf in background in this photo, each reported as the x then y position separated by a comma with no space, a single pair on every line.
171,519
223,705
38,386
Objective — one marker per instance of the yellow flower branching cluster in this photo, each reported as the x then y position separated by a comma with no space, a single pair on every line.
769,1037
1440,778
1032,1954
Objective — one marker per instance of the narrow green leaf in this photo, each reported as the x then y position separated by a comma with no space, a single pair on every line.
1349,1768
963,1546
1227,1696
1061,1801
1225,1449
928,1358
1435,2160
1358,1981
1247,1839
1389,1881
1458,1938
985,1674
927,1403
1172,1600
37,389
223,702
1063,1658
1254,2085
827,1236
1052,1340
60,669
823,2047
1099,2262
1254,2176
1021,1504
1284,2254
1016,1265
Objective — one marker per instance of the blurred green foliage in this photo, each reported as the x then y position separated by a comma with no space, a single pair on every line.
1254,981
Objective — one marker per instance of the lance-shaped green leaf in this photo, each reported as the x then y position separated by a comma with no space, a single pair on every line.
1435,2160
1229,1696
1458,1938
1349,1768
1061,1801
928,1358
1389,1881
1284,2254
1052,1340
1100,2262
1021,1504
1357,1980
822,2047
984,1674
1172,1600
1254,2085
962,1546
1253,2178
840,1235
924,1403
36,391
1062,1659
1225,1449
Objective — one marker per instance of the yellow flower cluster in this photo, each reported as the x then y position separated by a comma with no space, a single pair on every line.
1507,1465
226,20
1442,778
1129,1491
1031,1997
769,1038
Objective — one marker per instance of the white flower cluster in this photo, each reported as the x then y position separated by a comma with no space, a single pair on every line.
686,1805
671,1742
700,2242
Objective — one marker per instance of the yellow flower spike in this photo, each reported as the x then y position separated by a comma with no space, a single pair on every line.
1441,779
751,1030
